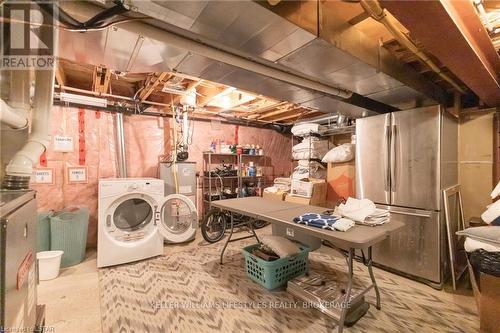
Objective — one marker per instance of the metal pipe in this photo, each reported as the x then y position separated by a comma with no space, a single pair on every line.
120,140
373,8
320,119
89,92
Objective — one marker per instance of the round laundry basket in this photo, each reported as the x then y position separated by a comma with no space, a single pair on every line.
49,263
68,233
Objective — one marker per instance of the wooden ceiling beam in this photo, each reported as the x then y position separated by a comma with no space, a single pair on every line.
151,84
101,78
256,113
278,112
60,74
215,92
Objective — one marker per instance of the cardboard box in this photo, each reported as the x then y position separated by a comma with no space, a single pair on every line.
487,300
279,196
341,182
318,194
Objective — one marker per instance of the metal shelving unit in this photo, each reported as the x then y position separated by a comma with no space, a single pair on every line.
207,181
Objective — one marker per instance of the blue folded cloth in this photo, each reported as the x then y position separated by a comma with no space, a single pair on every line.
496,222
317,220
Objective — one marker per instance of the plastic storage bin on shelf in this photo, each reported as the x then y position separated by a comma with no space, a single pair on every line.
274,274
43,232
68,232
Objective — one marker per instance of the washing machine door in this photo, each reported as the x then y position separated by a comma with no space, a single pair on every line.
176,218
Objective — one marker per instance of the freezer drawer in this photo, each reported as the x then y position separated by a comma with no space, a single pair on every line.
414,249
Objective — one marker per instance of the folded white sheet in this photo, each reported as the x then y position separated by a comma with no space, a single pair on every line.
307,128
472,245
363,211
492,212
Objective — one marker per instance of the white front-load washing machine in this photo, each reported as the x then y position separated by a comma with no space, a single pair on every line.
135,217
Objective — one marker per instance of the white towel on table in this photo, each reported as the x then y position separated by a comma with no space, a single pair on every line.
363,211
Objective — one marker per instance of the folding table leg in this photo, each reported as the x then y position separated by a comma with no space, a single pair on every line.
228,238
345,306
370,270
250,225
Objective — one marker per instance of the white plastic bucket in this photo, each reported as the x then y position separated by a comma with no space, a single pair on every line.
49,263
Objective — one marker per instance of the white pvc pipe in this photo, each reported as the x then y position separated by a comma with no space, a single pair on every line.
22,162
15,113
12,117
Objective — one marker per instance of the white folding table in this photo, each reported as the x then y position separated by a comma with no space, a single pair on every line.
360,237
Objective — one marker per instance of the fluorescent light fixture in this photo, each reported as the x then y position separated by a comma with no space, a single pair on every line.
83,100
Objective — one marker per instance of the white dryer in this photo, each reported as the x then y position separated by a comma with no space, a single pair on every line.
135,217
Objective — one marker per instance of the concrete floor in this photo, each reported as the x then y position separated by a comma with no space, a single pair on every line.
72,300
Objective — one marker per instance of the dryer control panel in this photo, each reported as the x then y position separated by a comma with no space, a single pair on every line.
117,187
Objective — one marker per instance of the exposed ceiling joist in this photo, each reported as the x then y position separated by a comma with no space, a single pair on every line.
286,109
151,85
468,51
101,79
60,75
293,116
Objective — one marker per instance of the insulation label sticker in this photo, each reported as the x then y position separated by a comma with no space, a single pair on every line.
77,175
63,144
43,176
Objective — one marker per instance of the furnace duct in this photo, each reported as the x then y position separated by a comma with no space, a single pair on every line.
20,168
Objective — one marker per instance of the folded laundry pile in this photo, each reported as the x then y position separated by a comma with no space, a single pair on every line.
307,129
363,212
280,185
310,147
324,221
306,169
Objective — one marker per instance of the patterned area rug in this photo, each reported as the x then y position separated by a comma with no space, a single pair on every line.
188,291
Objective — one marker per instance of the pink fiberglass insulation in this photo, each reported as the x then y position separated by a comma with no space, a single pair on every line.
146,138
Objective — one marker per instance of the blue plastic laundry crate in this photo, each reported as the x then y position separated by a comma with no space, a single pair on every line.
68,233
274,274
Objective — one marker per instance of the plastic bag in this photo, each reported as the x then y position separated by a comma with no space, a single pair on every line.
339,154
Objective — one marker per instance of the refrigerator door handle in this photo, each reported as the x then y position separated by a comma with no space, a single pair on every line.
393,158
387,150
410,213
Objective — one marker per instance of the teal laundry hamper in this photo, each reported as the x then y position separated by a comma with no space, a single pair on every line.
274,274
68,233
43,232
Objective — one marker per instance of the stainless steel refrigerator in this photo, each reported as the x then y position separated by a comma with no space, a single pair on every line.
403,162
